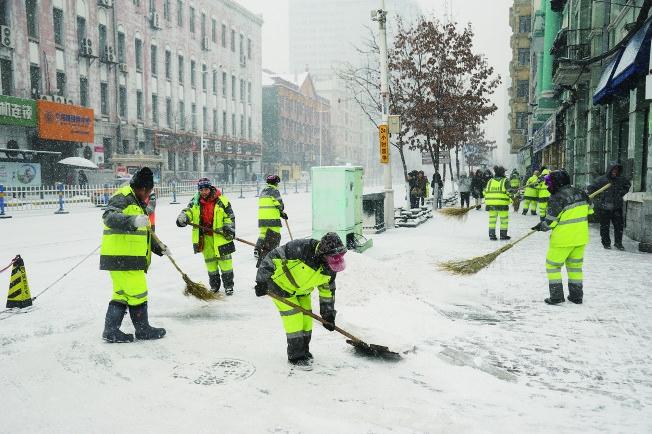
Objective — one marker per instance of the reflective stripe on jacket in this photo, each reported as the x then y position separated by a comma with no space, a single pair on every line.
223,216
124,247
531,191
567,217
495,195
270,206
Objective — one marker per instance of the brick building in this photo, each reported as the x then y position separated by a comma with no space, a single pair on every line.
158,74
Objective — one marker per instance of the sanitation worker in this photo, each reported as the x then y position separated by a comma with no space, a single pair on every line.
531,194
292,271
514,181
543,193
270,213
567,219
212,211
497,200
126,251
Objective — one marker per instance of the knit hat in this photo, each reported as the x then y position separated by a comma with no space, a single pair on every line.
143,178
204,183
272,179
330,244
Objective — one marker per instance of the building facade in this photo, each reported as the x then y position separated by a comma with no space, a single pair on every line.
519,72
592,98
158,75
296,126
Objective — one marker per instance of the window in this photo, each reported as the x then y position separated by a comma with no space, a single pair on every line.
57,21
123,101
155,109
521,120
233,82
242,46
104,98
223,35
194,161
224,84
83,91
137,3
81,29
204,116
31,10
233,40
61,83
35,79
168,112
101,31
524,24
214,30
191,19
214,82
153,59
193,114
180,69
6,77
139,54
204,77
4,15
152,5
193,67
171,160
125,146
250,135
522,88
249,92
242,125
248,48
242,90
233,127
168,64
215,121
523,56
224,123
122,57
179,13
139,105
107,143
182,116
166,10
203,25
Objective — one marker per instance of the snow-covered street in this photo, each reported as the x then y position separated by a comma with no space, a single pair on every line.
482,354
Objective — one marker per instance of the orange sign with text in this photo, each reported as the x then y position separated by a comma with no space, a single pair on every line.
65,122
384,143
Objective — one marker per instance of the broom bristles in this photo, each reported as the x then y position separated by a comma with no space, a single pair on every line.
455,212
473,265
199,290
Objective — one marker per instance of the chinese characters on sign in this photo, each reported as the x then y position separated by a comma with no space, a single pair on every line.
65,122
384,143
17,111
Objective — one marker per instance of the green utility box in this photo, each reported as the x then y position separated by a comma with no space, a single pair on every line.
337,204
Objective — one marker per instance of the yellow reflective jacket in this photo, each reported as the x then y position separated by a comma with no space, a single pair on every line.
270,206
223,218
531,191
567,217
495,195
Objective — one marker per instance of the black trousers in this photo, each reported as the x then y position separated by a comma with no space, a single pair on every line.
465,198
608,217
414,202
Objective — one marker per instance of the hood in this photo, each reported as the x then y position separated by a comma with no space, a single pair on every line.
612,166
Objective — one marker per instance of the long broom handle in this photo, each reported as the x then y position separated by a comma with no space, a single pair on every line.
287,225
158,240
591,196
204,228
315,316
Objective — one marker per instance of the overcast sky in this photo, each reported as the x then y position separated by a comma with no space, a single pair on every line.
490,20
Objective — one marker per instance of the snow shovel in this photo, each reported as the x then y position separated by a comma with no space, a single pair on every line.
209,230
360,346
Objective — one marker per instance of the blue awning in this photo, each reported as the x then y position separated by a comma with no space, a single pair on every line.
635,57
605,87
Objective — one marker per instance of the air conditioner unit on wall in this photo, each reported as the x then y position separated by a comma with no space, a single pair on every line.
105,3
205,44
109,55
6,39
86,49
155,20
123,67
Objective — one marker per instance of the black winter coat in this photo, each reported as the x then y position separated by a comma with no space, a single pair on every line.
477,185
611,199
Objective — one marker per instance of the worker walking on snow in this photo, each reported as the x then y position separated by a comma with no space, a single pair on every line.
543,193
126,251
292,271
497,201
531,194
567,218
270,213
514,181
211,210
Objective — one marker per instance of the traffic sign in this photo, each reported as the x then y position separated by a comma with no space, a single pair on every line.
384,143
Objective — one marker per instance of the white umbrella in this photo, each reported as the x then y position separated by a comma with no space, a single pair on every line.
78,162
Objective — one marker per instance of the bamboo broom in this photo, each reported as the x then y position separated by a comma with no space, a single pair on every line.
474,265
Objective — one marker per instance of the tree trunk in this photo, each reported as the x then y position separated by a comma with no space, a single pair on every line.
433,157
400,146
457,160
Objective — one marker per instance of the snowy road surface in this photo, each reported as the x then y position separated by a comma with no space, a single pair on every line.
483,354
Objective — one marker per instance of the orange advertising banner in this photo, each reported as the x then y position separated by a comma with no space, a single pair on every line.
383,132
65,122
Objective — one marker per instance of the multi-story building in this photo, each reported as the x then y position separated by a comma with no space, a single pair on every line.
158,76
296,125
519,71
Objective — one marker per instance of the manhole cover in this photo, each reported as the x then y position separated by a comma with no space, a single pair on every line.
223,371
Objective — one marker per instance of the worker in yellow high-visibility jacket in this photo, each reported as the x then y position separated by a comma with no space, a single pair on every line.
497,200
531,195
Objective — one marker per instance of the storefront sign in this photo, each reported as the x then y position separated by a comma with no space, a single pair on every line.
20,174
545,135
65,122
17,111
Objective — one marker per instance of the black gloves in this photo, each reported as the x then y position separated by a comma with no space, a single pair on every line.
228,232
261,289
538,227
330,318
284,216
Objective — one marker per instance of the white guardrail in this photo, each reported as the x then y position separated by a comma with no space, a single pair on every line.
60,197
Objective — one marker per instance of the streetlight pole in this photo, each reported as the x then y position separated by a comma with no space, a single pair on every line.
320,137
381,17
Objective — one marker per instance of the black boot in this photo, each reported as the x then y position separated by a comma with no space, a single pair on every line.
227,277
214,280
533,212
554,301
144,331
492,235
503,235
619,246
525,211
112,322
306,346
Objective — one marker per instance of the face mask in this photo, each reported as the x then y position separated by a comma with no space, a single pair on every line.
549,184
336,262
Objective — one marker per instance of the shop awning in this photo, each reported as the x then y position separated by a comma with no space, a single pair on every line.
605,88
635,57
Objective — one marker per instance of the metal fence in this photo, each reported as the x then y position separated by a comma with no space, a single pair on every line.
60,197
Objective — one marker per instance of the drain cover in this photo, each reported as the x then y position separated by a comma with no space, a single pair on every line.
223,371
